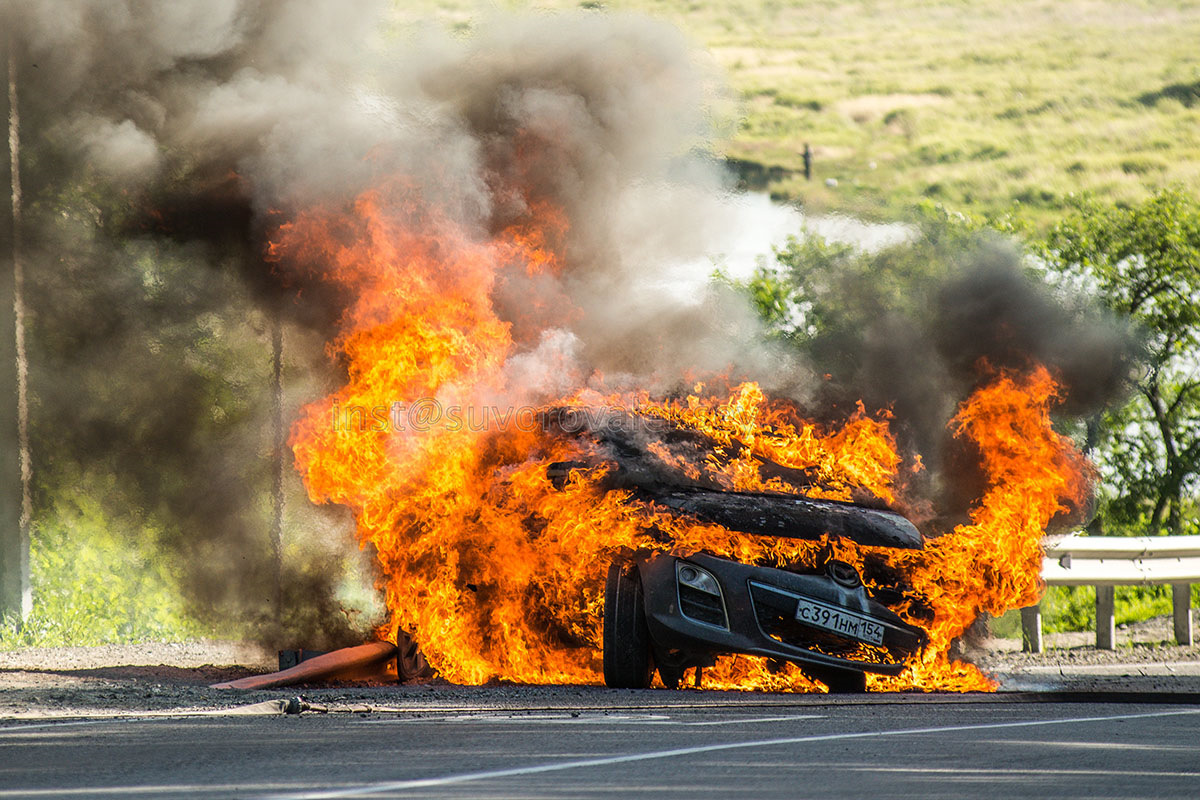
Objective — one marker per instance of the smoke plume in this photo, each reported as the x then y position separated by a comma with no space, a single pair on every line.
168,141
919,326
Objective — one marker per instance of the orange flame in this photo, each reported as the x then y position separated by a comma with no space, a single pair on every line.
498,573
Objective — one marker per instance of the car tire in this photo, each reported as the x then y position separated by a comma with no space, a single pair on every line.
627,663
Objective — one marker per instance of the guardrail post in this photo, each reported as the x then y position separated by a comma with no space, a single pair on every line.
1031,629
1181,608
1106,622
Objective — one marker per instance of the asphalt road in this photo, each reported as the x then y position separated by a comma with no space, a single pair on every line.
599,744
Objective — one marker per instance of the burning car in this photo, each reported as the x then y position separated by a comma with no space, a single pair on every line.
669,612
669,609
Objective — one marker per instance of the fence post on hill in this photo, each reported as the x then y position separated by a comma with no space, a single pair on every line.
16,598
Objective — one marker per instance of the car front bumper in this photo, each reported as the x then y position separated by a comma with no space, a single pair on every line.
809,620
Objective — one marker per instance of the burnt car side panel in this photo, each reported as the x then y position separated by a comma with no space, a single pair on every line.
761,606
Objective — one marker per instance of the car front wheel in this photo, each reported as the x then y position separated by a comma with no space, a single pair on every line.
627,663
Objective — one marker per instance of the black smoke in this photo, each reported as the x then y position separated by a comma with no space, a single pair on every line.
920,326
166,142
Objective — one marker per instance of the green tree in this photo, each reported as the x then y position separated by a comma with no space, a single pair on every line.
816,291
1143,262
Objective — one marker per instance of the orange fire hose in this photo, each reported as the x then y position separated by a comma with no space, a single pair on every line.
323,666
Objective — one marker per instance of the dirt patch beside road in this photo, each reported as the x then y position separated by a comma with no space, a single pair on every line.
137,678
1148,642
1146,660
183,655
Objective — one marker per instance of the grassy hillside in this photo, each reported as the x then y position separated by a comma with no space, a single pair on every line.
978,105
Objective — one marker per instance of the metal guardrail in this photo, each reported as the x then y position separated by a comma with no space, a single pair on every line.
1110,561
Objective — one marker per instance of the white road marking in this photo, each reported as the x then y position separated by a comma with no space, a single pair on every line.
535,769
266,708
1123,746
752,720
1141,773
21,728
188,789
585,719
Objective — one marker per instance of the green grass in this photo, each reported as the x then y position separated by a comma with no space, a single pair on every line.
986,106
92,586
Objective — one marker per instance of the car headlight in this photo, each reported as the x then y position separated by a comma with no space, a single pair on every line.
701,580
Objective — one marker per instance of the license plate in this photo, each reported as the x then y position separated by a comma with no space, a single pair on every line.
838,620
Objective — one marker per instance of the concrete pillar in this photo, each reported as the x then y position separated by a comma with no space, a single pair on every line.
1031,629
1181,608
1106,622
